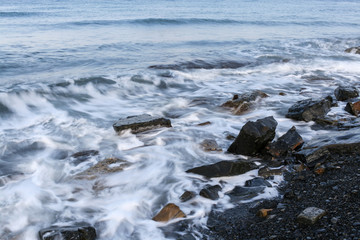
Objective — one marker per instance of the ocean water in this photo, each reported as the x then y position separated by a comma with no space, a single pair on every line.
70,69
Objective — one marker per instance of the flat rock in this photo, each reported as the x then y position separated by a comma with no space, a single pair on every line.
243,102
169,212
257,182
353,108
224,168
310,215
288,142
244,193
355,50
141,123
210,145
81,232
343,93
254,136
210,192
308,110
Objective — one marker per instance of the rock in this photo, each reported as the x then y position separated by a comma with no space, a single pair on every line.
108,165
141,123
355,50
343,93
308,110
244,102
204,123
210,192
84,155
266,172
169,212
353,108
187,195
81,232
224,168
254,136
210,145
310,215
257,182
243,193
290,141
263,212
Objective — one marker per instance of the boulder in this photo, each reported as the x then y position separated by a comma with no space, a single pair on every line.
288,142
308,110
187,195
355,50
141,123
210,145
244,102
257,182
310,215
210,192
81,232
254,136
353,108
224,168
169,212
343,93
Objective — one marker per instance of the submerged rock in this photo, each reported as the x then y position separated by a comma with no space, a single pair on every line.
210,192
210,145
310,215
355,50
141,123
169,212
343,93
187,195
254,136
81,232
257,182
288,142
200,64
244,193
84,155
224,168
308,110
244,102
353,108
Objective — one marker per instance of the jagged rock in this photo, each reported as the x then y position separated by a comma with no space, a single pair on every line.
355,50
244,102
310,215
254,136
290,141
108,165
210,145
343,93
257,182
267,172
81,232
210,192
308,110
353,108
224,168
141,123
169,212
187,195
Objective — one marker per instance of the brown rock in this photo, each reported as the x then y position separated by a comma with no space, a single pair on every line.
266,172
288,142
210,145
187,195
140,123
244,102
108,165
204,123
263,212
355,50
169,212
353,108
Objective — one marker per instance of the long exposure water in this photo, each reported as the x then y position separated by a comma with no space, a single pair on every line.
70,69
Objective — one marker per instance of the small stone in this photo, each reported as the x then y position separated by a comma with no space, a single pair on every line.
267,172
334,220
204,123
169,212
310,215
210,145
263,212
244,102
187,195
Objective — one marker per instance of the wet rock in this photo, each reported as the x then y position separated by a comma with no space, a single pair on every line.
224,168
355,50
187,195
257,182
288,142
343,93
308,110
210,145
204,123
169,212
310,215
81,232
243,193
244,102
254,136
353,108
141,123
200,64
210,192
267,172
84,155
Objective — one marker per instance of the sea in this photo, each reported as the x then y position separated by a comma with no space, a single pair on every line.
70,69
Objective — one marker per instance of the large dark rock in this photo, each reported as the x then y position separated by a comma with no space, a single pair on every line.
254,136
343,93
224,168
210,192
81,232
141,123
355,50
308,110
257,182
353,108
288,142
244,193
244,102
